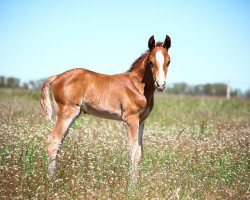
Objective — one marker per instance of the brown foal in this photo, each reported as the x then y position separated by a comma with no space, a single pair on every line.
128,97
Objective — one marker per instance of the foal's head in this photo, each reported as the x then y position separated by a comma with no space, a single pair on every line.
159,61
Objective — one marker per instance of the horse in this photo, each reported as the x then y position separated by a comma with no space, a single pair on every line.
127,97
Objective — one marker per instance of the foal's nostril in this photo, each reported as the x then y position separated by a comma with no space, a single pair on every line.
158,84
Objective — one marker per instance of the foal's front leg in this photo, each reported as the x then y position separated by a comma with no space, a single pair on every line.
134,147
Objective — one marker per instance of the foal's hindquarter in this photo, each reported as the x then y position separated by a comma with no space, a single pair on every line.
119,97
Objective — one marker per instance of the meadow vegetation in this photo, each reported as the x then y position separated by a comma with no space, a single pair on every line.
194,148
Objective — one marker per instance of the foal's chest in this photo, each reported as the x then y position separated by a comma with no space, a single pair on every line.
147,110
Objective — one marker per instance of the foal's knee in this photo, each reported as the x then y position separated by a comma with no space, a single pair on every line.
52,145
136,153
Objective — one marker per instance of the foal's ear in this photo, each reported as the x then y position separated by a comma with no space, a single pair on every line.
151,42
167,42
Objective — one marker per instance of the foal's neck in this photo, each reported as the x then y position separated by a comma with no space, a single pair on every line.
140,65
148,80
144,73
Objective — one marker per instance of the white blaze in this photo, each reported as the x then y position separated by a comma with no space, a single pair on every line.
160,59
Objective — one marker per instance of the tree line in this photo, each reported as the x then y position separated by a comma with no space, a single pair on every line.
12,82
209,89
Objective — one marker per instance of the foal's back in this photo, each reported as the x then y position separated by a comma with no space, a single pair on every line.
97,94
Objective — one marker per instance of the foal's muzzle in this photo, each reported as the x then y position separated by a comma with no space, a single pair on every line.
160,87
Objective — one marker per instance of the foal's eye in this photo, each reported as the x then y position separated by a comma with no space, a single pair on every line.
150,62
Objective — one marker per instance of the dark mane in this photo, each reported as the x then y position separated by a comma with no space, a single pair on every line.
142,56
137,61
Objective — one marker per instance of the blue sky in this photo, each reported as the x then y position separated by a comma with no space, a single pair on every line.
210,39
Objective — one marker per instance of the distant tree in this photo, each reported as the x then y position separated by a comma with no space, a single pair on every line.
247,93
208,89
236,92
35,84
198,90
12,82
220,89
2,81
179,88
32,84
25,86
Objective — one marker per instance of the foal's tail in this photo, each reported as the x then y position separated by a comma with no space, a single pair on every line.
45,98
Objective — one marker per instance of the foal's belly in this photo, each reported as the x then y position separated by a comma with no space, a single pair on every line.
108,113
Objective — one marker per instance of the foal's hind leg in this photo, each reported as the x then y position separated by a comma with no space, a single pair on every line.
65,117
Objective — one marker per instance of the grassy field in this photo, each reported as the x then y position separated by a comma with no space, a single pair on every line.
194,148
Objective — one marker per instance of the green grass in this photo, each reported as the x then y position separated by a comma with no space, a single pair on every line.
194,148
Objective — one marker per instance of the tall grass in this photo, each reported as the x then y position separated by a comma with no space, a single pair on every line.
194,148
